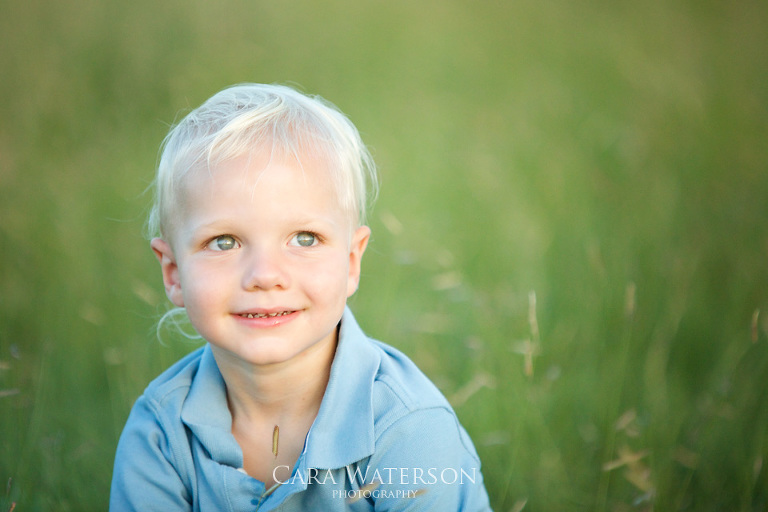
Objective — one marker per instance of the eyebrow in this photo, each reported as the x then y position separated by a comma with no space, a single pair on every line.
226,224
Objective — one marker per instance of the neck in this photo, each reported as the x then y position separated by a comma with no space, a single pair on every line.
278,393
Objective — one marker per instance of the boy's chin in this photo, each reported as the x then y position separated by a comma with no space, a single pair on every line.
265,354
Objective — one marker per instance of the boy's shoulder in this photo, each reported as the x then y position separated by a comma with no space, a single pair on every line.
372,366
377,373
408,413
399,376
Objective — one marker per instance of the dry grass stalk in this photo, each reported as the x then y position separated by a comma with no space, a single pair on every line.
630,297
478,382
755,330
275,439
530,347
519,505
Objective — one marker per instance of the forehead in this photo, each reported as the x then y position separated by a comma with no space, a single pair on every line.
262,177
255,165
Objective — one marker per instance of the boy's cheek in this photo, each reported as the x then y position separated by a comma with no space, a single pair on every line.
194,286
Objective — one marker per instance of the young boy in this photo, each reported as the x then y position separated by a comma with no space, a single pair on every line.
259,215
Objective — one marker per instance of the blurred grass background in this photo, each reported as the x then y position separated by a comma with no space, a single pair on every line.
570,239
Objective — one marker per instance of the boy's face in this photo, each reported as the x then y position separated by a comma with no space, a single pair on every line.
263,258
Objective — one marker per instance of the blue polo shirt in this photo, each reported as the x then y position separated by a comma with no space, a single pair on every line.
384,439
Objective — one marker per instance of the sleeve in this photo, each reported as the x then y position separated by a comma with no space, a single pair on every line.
426,462
146,475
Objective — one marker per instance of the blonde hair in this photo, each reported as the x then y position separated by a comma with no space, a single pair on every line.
277,118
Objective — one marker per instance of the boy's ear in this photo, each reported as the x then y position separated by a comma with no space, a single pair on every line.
170,269
356,249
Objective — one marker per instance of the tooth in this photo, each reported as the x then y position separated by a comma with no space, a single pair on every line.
266,315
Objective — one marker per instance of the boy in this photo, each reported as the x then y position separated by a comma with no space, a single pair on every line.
259,216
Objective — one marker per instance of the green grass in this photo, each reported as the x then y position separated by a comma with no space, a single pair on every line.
608,156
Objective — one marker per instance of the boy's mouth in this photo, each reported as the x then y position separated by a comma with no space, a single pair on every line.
265,315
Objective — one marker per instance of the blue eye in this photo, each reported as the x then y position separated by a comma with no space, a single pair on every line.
223,243
305,239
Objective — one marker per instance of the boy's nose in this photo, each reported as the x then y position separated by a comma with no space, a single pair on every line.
264,270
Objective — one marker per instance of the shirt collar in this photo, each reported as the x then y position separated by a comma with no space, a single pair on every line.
206,413
343,430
